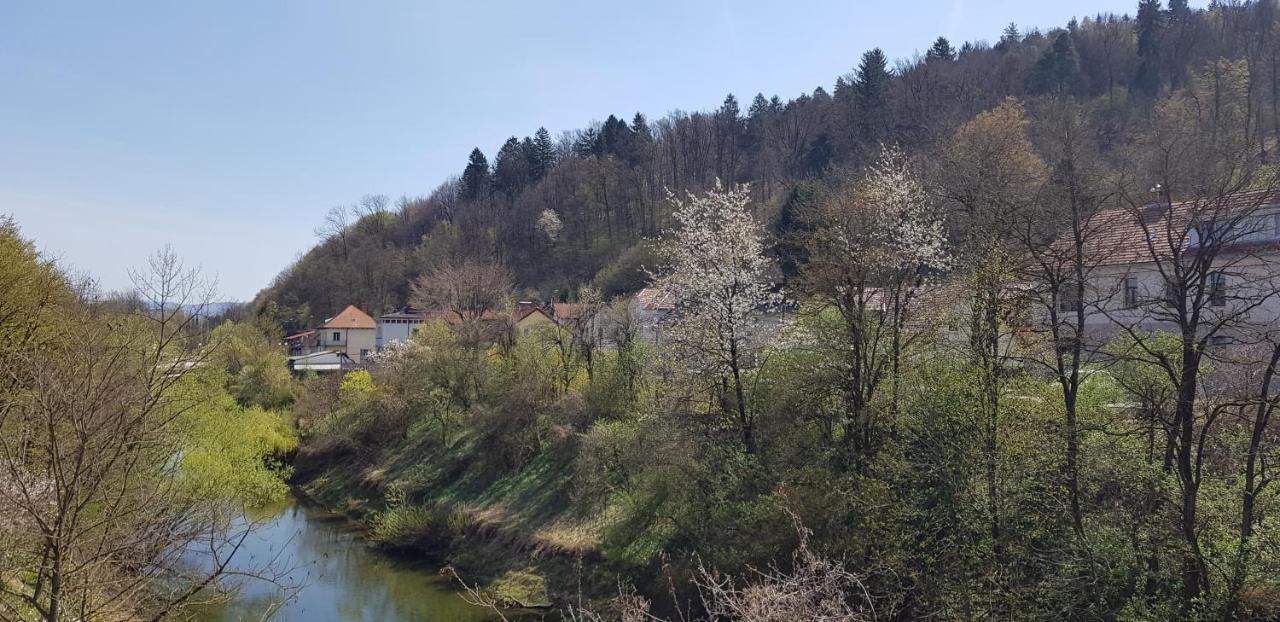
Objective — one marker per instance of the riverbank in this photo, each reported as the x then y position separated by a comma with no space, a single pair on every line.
520,539
325,571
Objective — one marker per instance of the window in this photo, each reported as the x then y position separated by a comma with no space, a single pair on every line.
1068,297
1259,227
1217,289
337,336
1129,285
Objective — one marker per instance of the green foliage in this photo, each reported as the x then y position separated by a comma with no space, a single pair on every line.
257,372
234,452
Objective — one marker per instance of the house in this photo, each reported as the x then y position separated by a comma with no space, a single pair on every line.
652,308
1128,249
305,342
530,317
352,333
399,326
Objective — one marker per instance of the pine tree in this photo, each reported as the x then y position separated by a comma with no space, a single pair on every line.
510,169
615,137
1009,38
1057,69
475,178
871,89
543,154
941,50
588,143
1149,26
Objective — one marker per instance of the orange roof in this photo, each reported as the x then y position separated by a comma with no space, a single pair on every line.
351,317
1120,235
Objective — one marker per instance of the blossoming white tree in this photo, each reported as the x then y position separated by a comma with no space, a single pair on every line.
718,277
872,244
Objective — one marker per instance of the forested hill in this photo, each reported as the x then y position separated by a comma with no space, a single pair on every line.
562,212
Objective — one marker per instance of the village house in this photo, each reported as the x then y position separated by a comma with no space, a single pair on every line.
305,342
352,333
652,308
1130,255
399,326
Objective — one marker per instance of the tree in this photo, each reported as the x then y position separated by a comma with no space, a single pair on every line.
1057,69
510,169
542,156
475,178
1207,283
96,519
1010,38
991,174
1150,27
717,275
872,244
1060,236
872,90
469,291
941,50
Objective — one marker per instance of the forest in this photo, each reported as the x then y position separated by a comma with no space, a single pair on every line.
574,209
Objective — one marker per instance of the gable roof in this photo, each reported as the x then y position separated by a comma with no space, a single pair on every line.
1119,236
654,299
565,311
351,317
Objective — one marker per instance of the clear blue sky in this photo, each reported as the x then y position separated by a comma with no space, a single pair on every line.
227,129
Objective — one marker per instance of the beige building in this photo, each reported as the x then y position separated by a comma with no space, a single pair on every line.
1134,255
352,333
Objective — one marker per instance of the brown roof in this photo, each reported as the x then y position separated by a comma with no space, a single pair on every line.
653,299
1120,235
351,317
569,311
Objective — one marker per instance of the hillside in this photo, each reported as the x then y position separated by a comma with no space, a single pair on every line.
562,213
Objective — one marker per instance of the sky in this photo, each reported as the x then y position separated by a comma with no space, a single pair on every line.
227,129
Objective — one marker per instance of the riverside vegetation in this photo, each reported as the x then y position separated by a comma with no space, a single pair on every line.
935,432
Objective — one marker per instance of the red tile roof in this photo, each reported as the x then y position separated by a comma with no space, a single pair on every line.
1125,235
351,317
653,299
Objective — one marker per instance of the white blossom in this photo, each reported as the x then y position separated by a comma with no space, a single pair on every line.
717,274
550,225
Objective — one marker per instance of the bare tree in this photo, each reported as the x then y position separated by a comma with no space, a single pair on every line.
1204,277
1060,268
99,524
470,291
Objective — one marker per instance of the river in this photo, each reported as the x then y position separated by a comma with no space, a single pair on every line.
341,577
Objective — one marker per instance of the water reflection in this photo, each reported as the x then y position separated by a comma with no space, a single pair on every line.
341,578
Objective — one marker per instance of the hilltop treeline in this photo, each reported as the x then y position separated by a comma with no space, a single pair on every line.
561,212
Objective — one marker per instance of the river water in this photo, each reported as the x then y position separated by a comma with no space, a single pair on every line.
341,577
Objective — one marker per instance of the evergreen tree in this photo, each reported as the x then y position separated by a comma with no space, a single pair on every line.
872,91
615,137
510,169
641,138
475,178
1149,26
1057,69
817,158
1009,38
941,50
542,155
588,143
